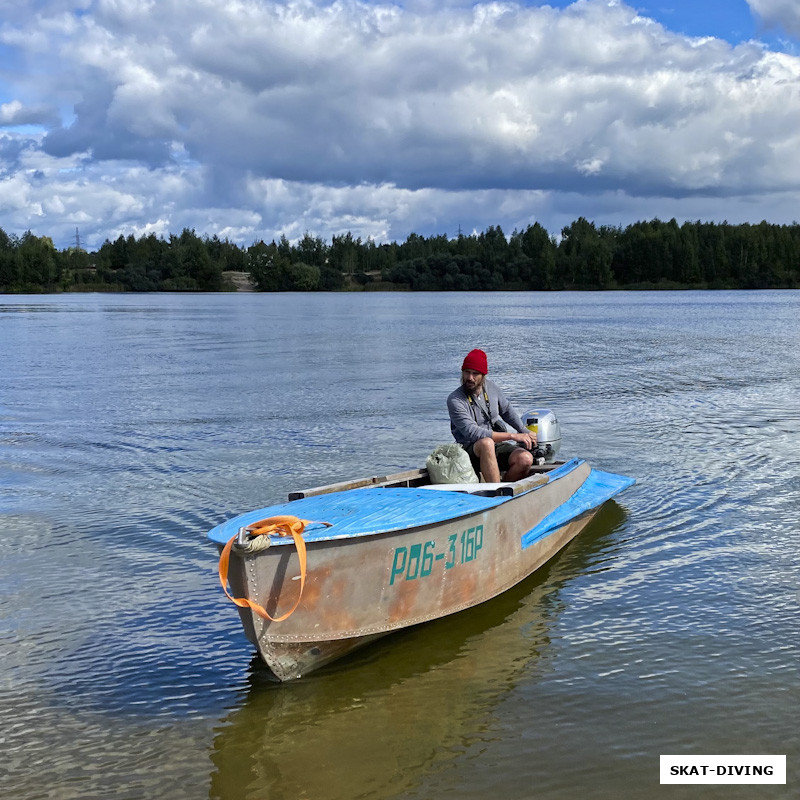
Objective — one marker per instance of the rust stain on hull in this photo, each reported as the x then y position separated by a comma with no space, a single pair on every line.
360,588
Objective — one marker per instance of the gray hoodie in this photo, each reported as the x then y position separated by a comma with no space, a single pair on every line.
470,421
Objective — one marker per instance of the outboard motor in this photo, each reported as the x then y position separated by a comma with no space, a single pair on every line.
543,422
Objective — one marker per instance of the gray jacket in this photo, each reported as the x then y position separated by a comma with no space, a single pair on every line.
470,421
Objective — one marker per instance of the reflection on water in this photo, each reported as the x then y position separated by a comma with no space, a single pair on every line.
131,425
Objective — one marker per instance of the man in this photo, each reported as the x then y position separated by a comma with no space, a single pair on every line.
476,409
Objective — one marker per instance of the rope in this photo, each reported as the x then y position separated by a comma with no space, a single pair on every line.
272,526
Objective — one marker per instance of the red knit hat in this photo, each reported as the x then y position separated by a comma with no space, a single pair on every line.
476,360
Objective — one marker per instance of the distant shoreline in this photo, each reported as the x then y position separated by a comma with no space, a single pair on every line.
650,256
396,289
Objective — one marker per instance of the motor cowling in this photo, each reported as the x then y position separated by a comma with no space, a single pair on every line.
544,423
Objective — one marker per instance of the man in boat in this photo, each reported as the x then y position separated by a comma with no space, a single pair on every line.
477,411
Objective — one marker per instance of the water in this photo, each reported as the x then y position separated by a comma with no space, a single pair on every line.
130,425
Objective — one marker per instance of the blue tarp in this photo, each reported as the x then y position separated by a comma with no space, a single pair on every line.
596,489
361,512
373,510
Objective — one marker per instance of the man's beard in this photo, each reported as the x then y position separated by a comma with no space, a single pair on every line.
471,386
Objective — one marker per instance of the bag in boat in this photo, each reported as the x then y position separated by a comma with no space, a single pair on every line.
449,463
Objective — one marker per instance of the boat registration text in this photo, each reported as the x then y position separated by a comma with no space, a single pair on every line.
419,560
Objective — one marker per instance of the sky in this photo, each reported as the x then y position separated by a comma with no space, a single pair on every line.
252,119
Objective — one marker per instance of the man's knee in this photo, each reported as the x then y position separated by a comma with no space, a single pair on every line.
521,457
483,447
520,460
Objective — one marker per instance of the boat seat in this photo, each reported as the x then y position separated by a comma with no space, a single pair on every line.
483,489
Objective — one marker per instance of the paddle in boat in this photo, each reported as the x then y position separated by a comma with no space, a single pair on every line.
338,566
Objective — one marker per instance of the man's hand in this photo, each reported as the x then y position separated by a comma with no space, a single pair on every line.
527,440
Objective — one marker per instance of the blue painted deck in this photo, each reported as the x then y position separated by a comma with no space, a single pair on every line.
373,510
361,512
595,490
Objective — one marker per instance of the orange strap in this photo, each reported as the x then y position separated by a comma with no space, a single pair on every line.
276,526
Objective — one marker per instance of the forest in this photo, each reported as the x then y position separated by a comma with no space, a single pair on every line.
643,255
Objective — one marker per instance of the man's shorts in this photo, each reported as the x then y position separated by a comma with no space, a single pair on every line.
502,451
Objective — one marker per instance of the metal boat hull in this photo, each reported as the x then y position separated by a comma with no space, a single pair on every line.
362,586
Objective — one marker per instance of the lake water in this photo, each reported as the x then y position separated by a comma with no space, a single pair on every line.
130,425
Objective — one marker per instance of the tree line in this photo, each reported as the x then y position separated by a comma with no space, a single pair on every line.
653,254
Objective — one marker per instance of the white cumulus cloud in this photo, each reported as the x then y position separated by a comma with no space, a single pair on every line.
258,118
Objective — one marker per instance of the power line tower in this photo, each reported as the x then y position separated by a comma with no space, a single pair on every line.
77,239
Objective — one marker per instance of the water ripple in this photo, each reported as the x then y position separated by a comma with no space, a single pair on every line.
130,426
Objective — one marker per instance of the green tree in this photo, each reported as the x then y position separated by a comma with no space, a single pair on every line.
189,265
312,250
268,269
304,277
414,246
537,260
344,252
9,272
585,255
493,250
688,255
37,264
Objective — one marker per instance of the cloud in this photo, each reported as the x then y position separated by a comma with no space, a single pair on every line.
258,117
15,114
783,14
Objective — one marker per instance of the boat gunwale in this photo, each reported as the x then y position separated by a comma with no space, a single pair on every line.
316,532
